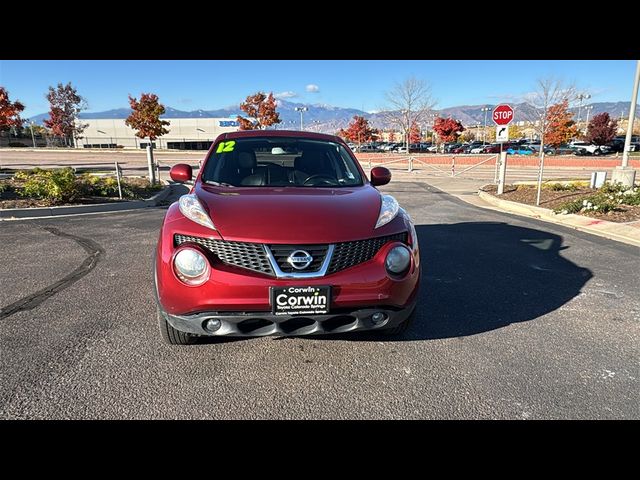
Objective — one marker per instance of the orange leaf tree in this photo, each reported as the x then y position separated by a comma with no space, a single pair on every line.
561,127
359,131
261,112
65,106
9,111
448,129
145,117
414,133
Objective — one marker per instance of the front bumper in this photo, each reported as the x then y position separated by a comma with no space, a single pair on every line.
256,324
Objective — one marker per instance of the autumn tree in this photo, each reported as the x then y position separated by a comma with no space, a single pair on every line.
145,120
65,106
602,129
359,131
392,136
408,103
415,135
9,111
261,112
562,128
549,92
448,129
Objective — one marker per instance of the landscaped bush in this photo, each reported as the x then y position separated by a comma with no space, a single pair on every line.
55,185
608,198
560,187
62,185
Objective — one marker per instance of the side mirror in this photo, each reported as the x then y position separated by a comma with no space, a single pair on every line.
380,176
181,172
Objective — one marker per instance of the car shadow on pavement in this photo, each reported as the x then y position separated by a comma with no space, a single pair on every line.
481,276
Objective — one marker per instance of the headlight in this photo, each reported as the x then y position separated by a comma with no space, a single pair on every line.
414,236
192,209
388,210
398,260
191,266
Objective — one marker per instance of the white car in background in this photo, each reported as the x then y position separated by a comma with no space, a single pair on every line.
478,149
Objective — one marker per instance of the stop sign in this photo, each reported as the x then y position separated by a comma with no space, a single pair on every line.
503,114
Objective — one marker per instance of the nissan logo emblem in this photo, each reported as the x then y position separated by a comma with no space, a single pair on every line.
299,259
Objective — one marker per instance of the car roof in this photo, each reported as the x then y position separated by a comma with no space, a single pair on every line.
281,133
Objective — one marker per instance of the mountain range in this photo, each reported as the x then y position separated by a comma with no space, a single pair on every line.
329,119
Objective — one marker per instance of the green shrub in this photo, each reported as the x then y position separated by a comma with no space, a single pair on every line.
610,197
54,185
559,187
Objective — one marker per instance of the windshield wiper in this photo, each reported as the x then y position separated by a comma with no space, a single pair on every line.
218,184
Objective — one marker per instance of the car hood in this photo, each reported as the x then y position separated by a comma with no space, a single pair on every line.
302,215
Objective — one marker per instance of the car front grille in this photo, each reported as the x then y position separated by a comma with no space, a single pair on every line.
348,254
252,256
239,254
282,252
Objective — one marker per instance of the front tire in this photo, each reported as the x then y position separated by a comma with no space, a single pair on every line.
173,336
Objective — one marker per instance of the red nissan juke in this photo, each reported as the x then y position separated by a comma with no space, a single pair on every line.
282,234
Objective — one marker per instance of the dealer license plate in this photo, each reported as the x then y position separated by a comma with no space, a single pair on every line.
300,300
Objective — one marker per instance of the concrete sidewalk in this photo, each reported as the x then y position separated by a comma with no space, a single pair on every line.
468,190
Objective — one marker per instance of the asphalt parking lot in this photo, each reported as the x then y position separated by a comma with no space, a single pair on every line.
518,319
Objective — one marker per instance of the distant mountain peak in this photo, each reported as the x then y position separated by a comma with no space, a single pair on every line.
330,118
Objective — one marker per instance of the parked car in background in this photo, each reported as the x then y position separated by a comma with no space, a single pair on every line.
492,148
521,150
563,149
450,147
478,148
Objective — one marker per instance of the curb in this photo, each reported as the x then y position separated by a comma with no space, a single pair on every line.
24,213
603,228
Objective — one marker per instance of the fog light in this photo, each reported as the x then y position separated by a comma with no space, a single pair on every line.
212,325
398,260
378,318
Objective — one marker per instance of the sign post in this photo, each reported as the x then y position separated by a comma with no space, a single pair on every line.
502,116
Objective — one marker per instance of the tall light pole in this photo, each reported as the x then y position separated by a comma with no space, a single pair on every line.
301,110
484,131
582,96
33,138
588,109
625,174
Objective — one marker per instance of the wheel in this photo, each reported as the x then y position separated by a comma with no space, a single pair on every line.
400,329
172,336
597,151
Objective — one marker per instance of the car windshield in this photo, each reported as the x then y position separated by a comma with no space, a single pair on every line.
280,162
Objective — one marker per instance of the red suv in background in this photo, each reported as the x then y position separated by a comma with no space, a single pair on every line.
282,234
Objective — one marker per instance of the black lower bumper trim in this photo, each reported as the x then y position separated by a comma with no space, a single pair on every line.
257,324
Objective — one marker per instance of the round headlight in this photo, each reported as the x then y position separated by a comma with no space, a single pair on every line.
398,260
191,266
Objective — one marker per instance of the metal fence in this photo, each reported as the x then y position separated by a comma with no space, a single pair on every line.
26,140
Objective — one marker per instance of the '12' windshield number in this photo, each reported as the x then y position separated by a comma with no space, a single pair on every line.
226,146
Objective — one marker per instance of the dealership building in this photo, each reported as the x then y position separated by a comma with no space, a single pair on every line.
184,133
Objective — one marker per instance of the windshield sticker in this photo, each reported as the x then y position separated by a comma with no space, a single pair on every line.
226,146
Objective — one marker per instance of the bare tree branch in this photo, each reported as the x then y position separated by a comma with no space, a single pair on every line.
408,103
550,91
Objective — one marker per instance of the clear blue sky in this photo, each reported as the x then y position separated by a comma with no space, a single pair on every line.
191,85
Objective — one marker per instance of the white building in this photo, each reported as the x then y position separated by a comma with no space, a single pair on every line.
184,133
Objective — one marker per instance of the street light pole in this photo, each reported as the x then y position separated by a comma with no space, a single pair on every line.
588,109
301,110
484,131
33,138
582,96
624,173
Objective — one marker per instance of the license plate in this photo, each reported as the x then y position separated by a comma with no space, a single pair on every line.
300,300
